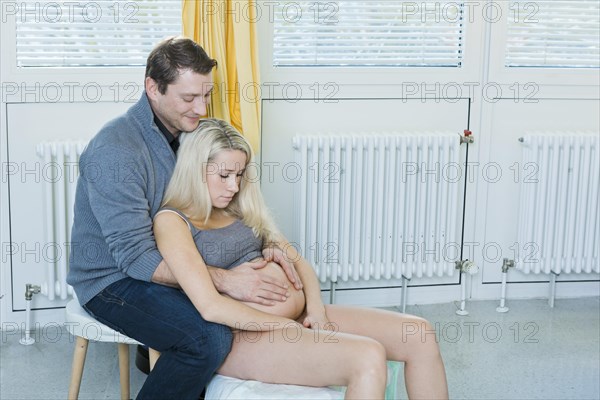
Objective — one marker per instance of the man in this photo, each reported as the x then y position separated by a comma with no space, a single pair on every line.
115,268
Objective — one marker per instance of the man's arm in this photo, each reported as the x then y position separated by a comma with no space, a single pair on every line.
246,283
163,275
243,283
116,190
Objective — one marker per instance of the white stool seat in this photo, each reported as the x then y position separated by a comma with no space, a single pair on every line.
226,388
223,387
80,323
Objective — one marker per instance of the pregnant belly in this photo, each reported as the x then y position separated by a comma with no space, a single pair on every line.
293,306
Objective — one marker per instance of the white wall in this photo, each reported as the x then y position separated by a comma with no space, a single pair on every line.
492,190
497,104
25,250
38,105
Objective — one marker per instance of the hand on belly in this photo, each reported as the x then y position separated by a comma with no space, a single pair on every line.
293,306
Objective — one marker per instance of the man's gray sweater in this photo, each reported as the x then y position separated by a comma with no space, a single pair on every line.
124,172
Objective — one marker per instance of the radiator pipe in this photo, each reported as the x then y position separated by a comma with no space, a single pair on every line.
404,293
30,290
553,276
505,266
463,297
502,308
465,266
332,293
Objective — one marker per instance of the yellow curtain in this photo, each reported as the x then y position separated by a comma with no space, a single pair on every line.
226,29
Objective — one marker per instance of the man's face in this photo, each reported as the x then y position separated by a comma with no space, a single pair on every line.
184,102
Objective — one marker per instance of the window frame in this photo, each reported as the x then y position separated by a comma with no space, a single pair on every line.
500,73
368,75
103,76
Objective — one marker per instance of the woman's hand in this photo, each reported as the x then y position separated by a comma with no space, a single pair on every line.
318,321
275,254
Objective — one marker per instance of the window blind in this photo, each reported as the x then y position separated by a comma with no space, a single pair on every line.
92,33
368,33
553,34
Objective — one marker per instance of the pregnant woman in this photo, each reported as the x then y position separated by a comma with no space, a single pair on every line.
214,214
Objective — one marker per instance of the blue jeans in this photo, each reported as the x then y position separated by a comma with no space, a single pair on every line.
164,319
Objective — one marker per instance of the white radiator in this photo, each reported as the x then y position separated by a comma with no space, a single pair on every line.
378,206
559,207
58,199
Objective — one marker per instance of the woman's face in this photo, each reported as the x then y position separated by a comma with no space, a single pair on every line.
223,176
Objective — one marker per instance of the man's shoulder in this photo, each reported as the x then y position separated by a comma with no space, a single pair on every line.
123,134
117,136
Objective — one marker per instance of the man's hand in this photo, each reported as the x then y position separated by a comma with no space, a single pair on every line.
245,283
275,254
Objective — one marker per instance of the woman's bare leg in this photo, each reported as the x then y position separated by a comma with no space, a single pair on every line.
406,338
310,357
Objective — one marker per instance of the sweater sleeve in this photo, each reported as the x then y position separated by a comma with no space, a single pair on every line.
117,189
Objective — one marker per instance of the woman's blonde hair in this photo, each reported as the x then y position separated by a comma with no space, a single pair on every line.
188,189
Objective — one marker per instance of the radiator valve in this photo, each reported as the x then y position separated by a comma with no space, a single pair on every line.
507,264
30,290
467,266
467,138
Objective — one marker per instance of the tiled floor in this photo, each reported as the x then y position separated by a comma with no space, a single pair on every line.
531,352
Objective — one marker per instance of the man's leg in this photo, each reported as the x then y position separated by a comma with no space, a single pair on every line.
142,359
164,319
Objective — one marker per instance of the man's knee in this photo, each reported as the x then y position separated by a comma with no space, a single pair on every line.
211,347
219,340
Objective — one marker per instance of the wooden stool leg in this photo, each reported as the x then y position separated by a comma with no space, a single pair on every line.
81,346
124,370
153,357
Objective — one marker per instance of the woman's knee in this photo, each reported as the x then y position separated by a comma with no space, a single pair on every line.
420,335
370,359
415,329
